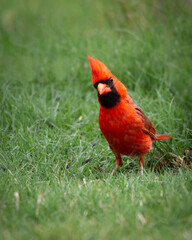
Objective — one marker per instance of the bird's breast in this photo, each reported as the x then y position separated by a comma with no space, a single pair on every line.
122,128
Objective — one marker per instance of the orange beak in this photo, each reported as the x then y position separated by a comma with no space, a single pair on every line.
103,88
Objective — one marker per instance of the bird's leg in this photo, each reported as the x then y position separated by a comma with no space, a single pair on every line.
118,160
141,163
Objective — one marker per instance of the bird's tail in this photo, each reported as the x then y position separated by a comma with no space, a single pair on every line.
161,137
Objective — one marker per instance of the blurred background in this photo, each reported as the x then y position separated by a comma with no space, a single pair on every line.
141,41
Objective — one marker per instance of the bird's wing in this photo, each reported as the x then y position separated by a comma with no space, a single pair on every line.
148,126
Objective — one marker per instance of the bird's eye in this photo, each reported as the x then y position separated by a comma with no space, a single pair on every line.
110,79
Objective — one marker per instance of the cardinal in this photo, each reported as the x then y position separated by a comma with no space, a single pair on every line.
124,125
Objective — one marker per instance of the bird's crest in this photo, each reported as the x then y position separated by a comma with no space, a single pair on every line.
98,69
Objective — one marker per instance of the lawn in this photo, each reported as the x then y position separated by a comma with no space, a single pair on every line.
52,149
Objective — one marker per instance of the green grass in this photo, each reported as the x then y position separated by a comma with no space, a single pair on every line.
49,112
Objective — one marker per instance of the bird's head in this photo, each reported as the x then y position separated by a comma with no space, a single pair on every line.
109,89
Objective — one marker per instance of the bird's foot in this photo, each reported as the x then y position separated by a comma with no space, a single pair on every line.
113,172
141,170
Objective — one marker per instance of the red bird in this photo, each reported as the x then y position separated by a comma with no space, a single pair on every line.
123,123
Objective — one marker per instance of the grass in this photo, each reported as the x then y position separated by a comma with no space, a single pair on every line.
49,127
